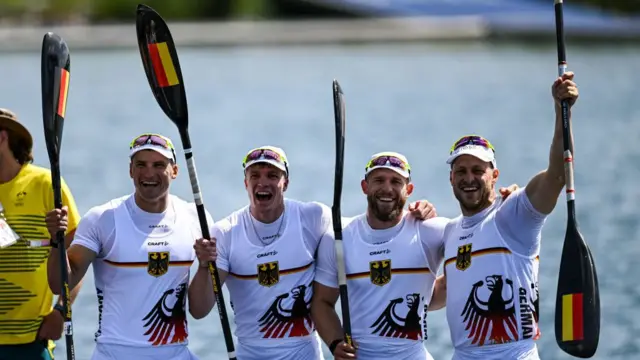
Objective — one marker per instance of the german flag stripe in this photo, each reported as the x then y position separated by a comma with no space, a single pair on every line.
64,91
398,271
359,275
281,272
572,322
487,251
163,64
145,264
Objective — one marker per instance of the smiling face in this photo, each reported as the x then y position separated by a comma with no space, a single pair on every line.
152,173
473,182
387,193
265,186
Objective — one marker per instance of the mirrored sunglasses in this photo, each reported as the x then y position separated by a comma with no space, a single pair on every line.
388,160
263,154
471,140
151,139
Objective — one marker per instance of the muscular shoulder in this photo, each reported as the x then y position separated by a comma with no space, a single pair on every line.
437,223
226,225
103,213
97,224
310,208
315,216
432,231
349,223
190,211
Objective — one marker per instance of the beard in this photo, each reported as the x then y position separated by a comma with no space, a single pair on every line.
476,201
386,212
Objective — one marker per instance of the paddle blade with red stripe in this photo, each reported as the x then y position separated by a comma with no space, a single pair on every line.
55,76
55,68
161,65
577,316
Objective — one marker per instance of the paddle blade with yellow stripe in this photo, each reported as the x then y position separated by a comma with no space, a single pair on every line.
161,65
55,76
577,318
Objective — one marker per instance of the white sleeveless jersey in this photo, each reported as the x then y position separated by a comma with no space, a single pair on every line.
270,289
142,279
390,285
492,294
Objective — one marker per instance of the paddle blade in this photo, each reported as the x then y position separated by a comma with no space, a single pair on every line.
55,76
160,61
339,115
577,316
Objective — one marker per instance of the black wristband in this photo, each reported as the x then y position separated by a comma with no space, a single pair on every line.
334,344
59,308
53,243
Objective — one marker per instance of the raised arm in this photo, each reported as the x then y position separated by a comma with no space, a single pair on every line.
545,187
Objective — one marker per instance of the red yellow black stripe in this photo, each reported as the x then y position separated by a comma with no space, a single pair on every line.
145,263
487,251
281,272
397,271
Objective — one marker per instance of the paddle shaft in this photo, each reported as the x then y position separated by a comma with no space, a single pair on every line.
336,212
64,276
202,217
566,126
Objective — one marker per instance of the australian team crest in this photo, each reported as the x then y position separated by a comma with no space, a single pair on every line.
463,258
380,272
158,263
268,274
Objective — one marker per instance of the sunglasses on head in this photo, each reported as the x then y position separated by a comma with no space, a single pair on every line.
151,139
471,140
391,160
264,154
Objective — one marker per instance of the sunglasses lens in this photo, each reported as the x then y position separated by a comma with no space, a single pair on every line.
150,139
471,140
263,153
254,155
393,161
380,161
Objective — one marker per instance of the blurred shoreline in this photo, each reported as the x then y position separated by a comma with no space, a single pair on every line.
27,38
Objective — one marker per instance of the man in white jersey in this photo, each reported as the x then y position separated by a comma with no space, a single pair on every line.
492,249
141,247
265,254
390,260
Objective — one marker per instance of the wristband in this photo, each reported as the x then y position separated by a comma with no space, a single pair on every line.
334,344
53,243
60,308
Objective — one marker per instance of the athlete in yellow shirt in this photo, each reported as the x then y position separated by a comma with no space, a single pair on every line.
28,320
